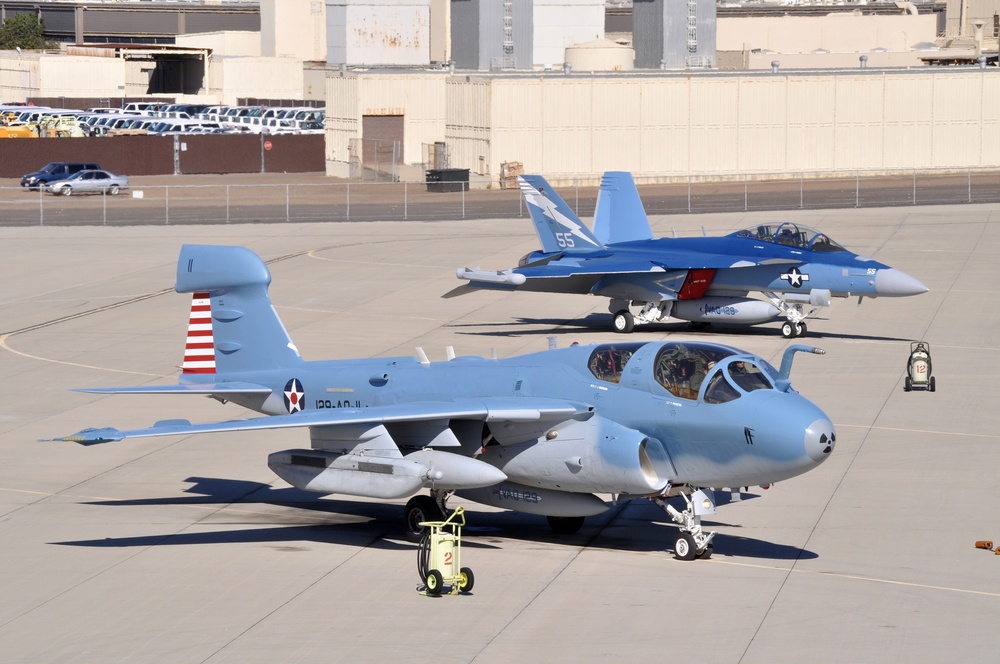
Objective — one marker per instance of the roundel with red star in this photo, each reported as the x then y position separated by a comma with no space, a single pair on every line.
294,396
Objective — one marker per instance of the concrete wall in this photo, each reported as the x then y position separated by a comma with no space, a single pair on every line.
562,23
670,126
839,33
419,98
229,43
676,126
293,29
372,33
266,78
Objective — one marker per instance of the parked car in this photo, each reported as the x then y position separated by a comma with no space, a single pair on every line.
90,181
56,170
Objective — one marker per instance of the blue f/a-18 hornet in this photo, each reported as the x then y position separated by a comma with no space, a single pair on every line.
699,279
551,433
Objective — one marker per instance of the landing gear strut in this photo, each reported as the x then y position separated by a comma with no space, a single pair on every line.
423,508
692,542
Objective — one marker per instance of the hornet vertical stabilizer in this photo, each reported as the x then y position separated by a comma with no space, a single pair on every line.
233,326
558,227
619,216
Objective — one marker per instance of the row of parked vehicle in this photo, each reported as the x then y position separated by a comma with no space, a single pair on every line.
65,178
159,119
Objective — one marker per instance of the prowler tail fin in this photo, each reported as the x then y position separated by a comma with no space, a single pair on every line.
233,326
558,227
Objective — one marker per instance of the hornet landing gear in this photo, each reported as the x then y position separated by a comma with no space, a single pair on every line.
790,330
692,542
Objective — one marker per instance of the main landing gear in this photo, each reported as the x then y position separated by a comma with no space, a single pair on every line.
692,542
790,329
422,509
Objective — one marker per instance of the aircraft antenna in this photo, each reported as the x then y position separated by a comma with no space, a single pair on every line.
552,343
422,356
450,352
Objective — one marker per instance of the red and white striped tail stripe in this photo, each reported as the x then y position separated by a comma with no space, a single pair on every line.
199,353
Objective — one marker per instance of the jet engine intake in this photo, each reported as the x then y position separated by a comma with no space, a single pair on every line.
592,456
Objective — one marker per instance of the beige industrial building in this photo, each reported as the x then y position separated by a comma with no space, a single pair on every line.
665,126
896,113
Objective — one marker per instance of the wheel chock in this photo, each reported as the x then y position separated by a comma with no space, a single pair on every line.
984,544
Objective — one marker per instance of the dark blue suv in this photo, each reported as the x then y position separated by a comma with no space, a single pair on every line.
56,170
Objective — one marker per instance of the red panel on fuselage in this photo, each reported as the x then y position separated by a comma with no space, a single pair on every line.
696,283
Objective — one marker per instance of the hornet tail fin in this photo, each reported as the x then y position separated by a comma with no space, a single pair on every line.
619,216
233,326
557,225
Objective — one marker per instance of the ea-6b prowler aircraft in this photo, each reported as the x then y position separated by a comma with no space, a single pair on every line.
542,433
700,279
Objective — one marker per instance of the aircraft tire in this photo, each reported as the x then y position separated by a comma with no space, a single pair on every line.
787,331
801,329
466,580
706,554
565,525
420,508
684,547
434,582
623,322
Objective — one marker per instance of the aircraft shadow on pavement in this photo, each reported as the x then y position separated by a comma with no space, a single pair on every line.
601,324
629,527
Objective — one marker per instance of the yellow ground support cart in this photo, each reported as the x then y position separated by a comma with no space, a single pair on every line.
439,556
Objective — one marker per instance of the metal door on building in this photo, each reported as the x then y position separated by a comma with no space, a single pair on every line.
382,145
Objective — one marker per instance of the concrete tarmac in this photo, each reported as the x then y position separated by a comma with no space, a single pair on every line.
188,549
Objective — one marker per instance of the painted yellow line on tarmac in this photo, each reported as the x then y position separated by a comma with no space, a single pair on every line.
931,431
855,577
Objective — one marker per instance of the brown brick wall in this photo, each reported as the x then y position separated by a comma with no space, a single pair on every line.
154,155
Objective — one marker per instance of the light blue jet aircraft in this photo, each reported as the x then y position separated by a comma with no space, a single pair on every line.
700,279
541,434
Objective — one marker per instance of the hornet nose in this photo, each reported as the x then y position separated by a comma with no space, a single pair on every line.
896,283
820,439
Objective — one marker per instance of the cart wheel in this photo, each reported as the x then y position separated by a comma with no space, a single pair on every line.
907,384
466,580
420,508
565,525
933,386
434,582
787,331
684,548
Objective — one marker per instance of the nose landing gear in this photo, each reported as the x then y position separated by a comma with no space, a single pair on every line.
692,542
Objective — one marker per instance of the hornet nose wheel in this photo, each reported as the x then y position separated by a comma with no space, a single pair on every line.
790,330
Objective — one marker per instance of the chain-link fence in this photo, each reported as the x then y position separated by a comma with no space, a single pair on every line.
401,201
